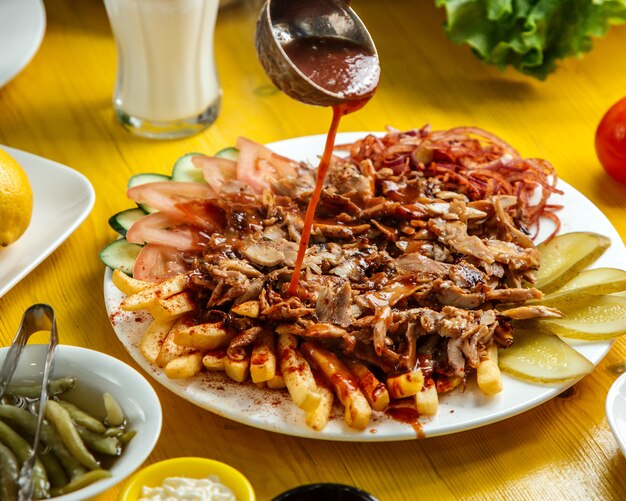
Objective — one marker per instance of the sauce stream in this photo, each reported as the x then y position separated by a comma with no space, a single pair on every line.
349,70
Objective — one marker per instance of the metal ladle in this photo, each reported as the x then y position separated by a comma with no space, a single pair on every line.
282,21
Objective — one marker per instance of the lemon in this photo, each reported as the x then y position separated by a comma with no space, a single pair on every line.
16,200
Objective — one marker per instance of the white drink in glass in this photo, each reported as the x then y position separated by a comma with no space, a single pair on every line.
167,84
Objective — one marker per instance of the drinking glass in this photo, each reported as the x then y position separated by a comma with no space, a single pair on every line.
167,84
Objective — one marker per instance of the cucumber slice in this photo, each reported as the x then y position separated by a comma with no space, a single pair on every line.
138,179
144,178
596,319
184,169
231,153
588,284
565,256
122,221
120,255
539,356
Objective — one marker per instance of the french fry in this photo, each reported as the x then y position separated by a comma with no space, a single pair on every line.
203,337
447,384
214,360
357,409
318,418
488,374
169,349
263,359
237,370
427,400
293,329
148,297
374,390
277,382
405,385
184,366
152,340
128,285
249,309
172,307
297,373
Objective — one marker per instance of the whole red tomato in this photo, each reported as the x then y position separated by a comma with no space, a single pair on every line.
611,141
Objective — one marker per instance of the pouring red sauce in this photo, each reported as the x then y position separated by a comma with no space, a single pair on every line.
347,69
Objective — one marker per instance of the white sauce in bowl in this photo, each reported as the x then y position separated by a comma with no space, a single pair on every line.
188,489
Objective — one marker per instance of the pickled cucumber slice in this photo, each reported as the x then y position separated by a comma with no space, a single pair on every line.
594,319
565,256
589,283
537,355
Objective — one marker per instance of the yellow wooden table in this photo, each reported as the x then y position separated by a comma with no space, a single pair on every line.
59,107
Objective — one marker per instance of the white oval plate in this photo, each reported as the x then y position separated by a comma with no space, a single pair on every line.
459,411
62,199
96,373
22,27
616,411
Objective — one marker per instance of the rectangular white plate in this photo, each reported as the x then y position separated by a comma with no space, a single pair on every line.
62,199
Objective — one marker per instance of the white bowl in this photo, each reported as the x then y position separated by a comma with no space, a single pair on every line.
97,373
616,411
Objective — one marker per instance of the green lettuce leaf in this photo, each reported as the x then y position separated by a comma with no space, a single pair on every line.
530,35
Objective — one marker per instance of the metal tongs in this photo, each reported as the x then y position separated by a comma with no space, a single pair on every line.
39,317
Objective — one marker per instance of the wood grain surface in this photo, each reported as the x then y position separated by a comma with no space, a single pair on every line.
59,107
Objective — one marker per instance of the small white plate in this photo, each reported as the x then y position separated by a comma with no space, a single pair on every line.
22,26
616,411
62,199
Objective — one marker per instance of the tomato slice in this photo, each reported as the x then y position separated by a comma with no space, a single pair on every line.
257,164
165,195
611,141
201,214
163,229
216,170
158,262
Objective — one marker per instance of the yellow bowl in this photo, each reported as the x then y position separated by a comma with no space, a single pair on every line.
189,467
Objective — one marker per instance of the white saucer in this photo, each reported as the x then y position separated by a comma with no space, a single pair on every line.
616,411
22,26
